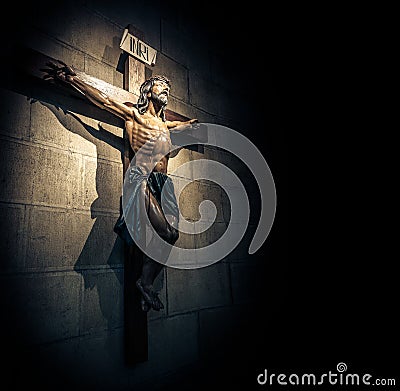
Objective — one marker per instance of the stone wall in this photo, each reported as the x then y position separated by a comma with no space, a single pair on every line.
62,265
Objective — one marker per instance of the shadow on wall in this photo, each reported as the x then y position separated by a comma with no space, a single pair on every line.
97,252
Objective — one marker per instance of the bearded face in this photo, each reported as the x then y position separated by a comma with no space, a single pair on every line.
161,98
160,93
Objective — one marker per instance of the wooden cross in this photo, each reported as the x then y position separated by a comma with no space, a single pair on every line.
136,335
29,81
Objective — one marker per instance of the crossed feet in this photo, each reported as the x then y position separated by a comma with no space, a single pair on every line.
149,297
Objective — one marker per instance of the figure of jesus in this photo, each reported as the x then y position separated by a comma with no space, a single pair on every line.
148,131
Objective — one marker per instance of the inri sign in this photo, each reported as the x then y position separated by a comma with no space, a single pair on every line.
138,48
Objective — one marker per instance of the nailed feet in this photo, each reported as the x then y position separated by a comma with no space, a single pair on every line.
149,298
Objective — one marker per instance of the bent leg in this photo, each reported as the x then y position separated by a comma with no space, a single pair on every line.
151,268
158,220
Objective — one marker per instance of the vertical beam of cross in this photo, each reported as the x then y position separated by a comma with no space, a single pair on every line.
136,337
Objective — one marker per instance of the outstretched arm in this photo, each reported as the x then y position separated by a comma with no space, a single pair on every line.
174,124
66,74
177,128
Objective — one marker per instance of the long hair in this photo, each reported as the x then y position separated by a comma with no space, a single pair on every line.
145,88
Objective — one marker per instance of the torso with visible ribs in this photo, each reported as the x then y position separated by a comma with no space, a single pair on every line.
150,140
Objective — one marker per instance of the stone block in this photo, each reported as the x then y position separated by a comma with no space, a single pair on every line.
118,79
55,49
193,193
184,47
176,73
186,240
77,244
42,308
90,182
181,158
189,200
99,362
57,178
189,111
14,114
71,239
18,163
102,185
102,303
83,29
217,195
13,237
173,44
245,177
94,138
107,139
49,126
57,24
196,155
203,117
98,247
116,257
190,290
96,68
75,133
114,130
144,16
211,235
241,251
203,94
46,237
240,127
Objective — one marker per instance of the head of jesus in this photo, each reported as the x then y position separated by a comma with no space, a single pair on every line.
156,89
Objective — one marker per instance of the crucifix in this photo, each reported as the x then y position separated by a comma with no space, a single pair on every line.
136,306
146,128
